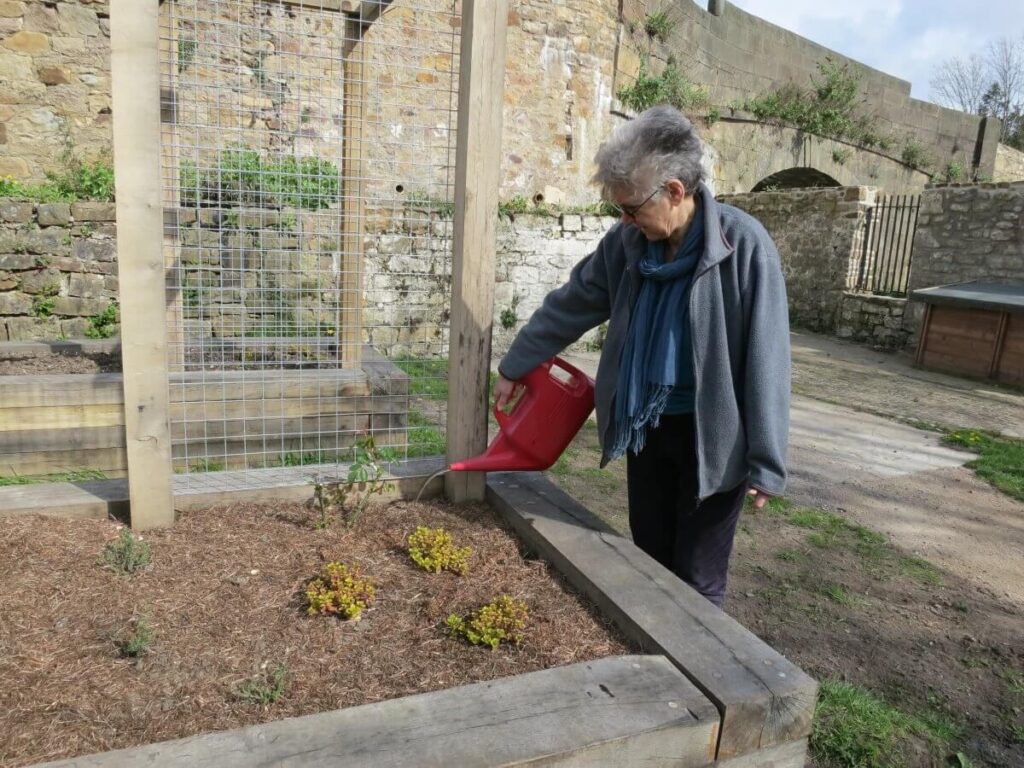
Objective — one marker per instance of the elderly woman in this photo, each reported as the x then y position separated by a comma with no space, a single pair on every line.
693,382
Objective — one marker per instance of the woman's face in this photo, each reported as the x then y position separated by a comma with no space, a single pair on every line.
648,210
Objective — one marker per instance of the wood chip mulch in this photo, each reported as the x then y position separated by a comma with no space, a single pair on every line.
224,596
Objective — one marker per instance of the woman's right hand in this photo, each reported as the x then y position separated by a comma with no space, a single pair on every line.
505,391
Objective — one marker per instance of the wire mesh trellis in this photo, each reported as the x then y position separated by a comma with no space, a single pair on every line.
307,174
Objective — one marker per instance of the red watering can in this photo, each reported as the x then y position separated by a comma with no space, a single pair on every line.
541,424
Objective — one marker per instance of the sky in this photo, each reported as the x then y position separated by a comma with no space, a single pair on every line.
905,38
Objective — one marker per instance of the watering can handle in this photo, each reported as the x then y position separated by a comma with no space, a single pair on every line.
500,416
580,379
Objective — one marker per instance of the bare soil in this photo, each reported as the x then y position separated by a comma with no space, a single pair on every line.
56,363
224,595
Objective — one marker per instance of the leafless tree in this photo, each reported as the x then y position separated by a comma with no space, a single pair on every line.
962,83
1005,63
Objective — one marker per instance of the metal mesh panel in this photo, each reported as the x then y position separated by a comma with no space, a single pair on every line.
307,172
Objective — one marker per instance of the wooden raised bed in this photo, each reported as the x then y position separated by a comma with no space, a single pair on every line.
973,329
57,423
709,693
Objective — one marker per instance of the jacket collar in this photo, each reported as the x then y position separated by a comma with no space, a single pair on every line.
716,247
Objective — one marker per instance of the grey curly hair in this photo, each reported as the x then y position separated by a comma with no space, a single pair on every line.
659,145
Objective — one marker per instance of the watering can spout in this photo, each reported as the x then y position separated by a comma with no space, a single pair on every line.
541,424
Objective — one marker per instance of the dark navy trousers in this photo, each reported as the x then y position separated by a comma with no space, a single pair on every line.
692,540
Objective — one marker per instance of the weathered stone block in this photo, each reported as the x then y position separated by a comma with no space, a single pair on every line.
11,9
54,214
85,286
572,223
75,21
75,328
32,43
15,212
78,307
46,282
15,303
8,280
15,261
52,241
32,328
94,211
89,249
54,76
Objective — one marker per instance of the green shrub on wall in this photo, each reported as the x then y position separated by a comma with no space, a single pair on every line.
79,180
245,177
670,87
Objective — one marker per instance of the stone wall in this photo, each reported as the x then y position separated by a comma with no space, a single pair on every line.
57,268
54,84
967,232
874,320
408,266
817,232
566,61
1009,164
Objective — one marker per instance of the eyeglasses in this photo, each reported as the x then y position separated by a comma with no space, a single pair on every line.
633,210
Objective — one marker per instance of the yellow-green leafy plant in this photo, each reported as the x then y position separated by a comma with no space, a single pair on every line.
128,555
433,549
340,591
500,621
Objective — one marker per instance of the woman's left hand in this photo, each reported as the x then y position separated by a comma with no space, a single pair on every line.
760,497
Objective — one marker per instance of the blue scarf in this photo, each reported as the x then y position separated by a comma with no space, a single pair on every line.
649,366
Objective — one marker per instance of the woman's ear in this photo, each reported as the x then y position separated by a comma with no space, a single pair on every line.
676,190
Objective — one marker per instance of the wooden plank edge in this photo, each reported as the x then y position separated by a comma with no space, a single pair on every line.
791,693
619,710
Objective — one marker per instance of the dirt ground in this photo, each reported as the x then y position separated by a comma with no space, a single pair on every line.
224,596
895,568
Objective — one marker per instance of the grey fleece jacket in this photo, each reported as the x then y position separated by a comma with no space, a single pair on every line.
739,322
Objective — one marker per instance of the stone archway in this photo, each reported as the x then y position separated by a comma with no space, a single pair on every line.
794,178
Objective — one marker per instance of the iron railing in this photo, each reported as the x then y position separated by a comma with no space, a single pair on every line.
888,244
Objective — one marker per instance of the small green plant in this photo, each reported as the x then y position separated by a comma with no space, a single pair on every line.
134,640
206,465
514,205
954,172
433,549
713,116
365,478
670,87
913,154
841,154
508,316
71,476
838,593
265,688
187,48
104,325
87,229
127,555
339,591
500,621
42,306
658,25
442,206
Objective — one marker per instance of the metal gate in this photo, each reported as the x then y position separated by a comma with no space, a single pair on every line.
887,245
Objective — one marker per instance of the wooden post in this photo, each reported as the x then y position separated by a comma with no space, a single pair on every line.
349,330
135,70
477,178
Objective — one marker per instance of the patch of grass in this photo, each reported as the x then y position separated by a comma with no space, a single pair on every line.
442,206
790,556
126,556
42,306
268,687
920,570
838,593
427,377
134,640
1000,460
853,728
72,476
206,465
425,438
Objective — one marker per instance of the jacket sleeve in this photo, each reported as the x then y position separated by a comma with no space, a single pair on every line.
568,312
767,373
